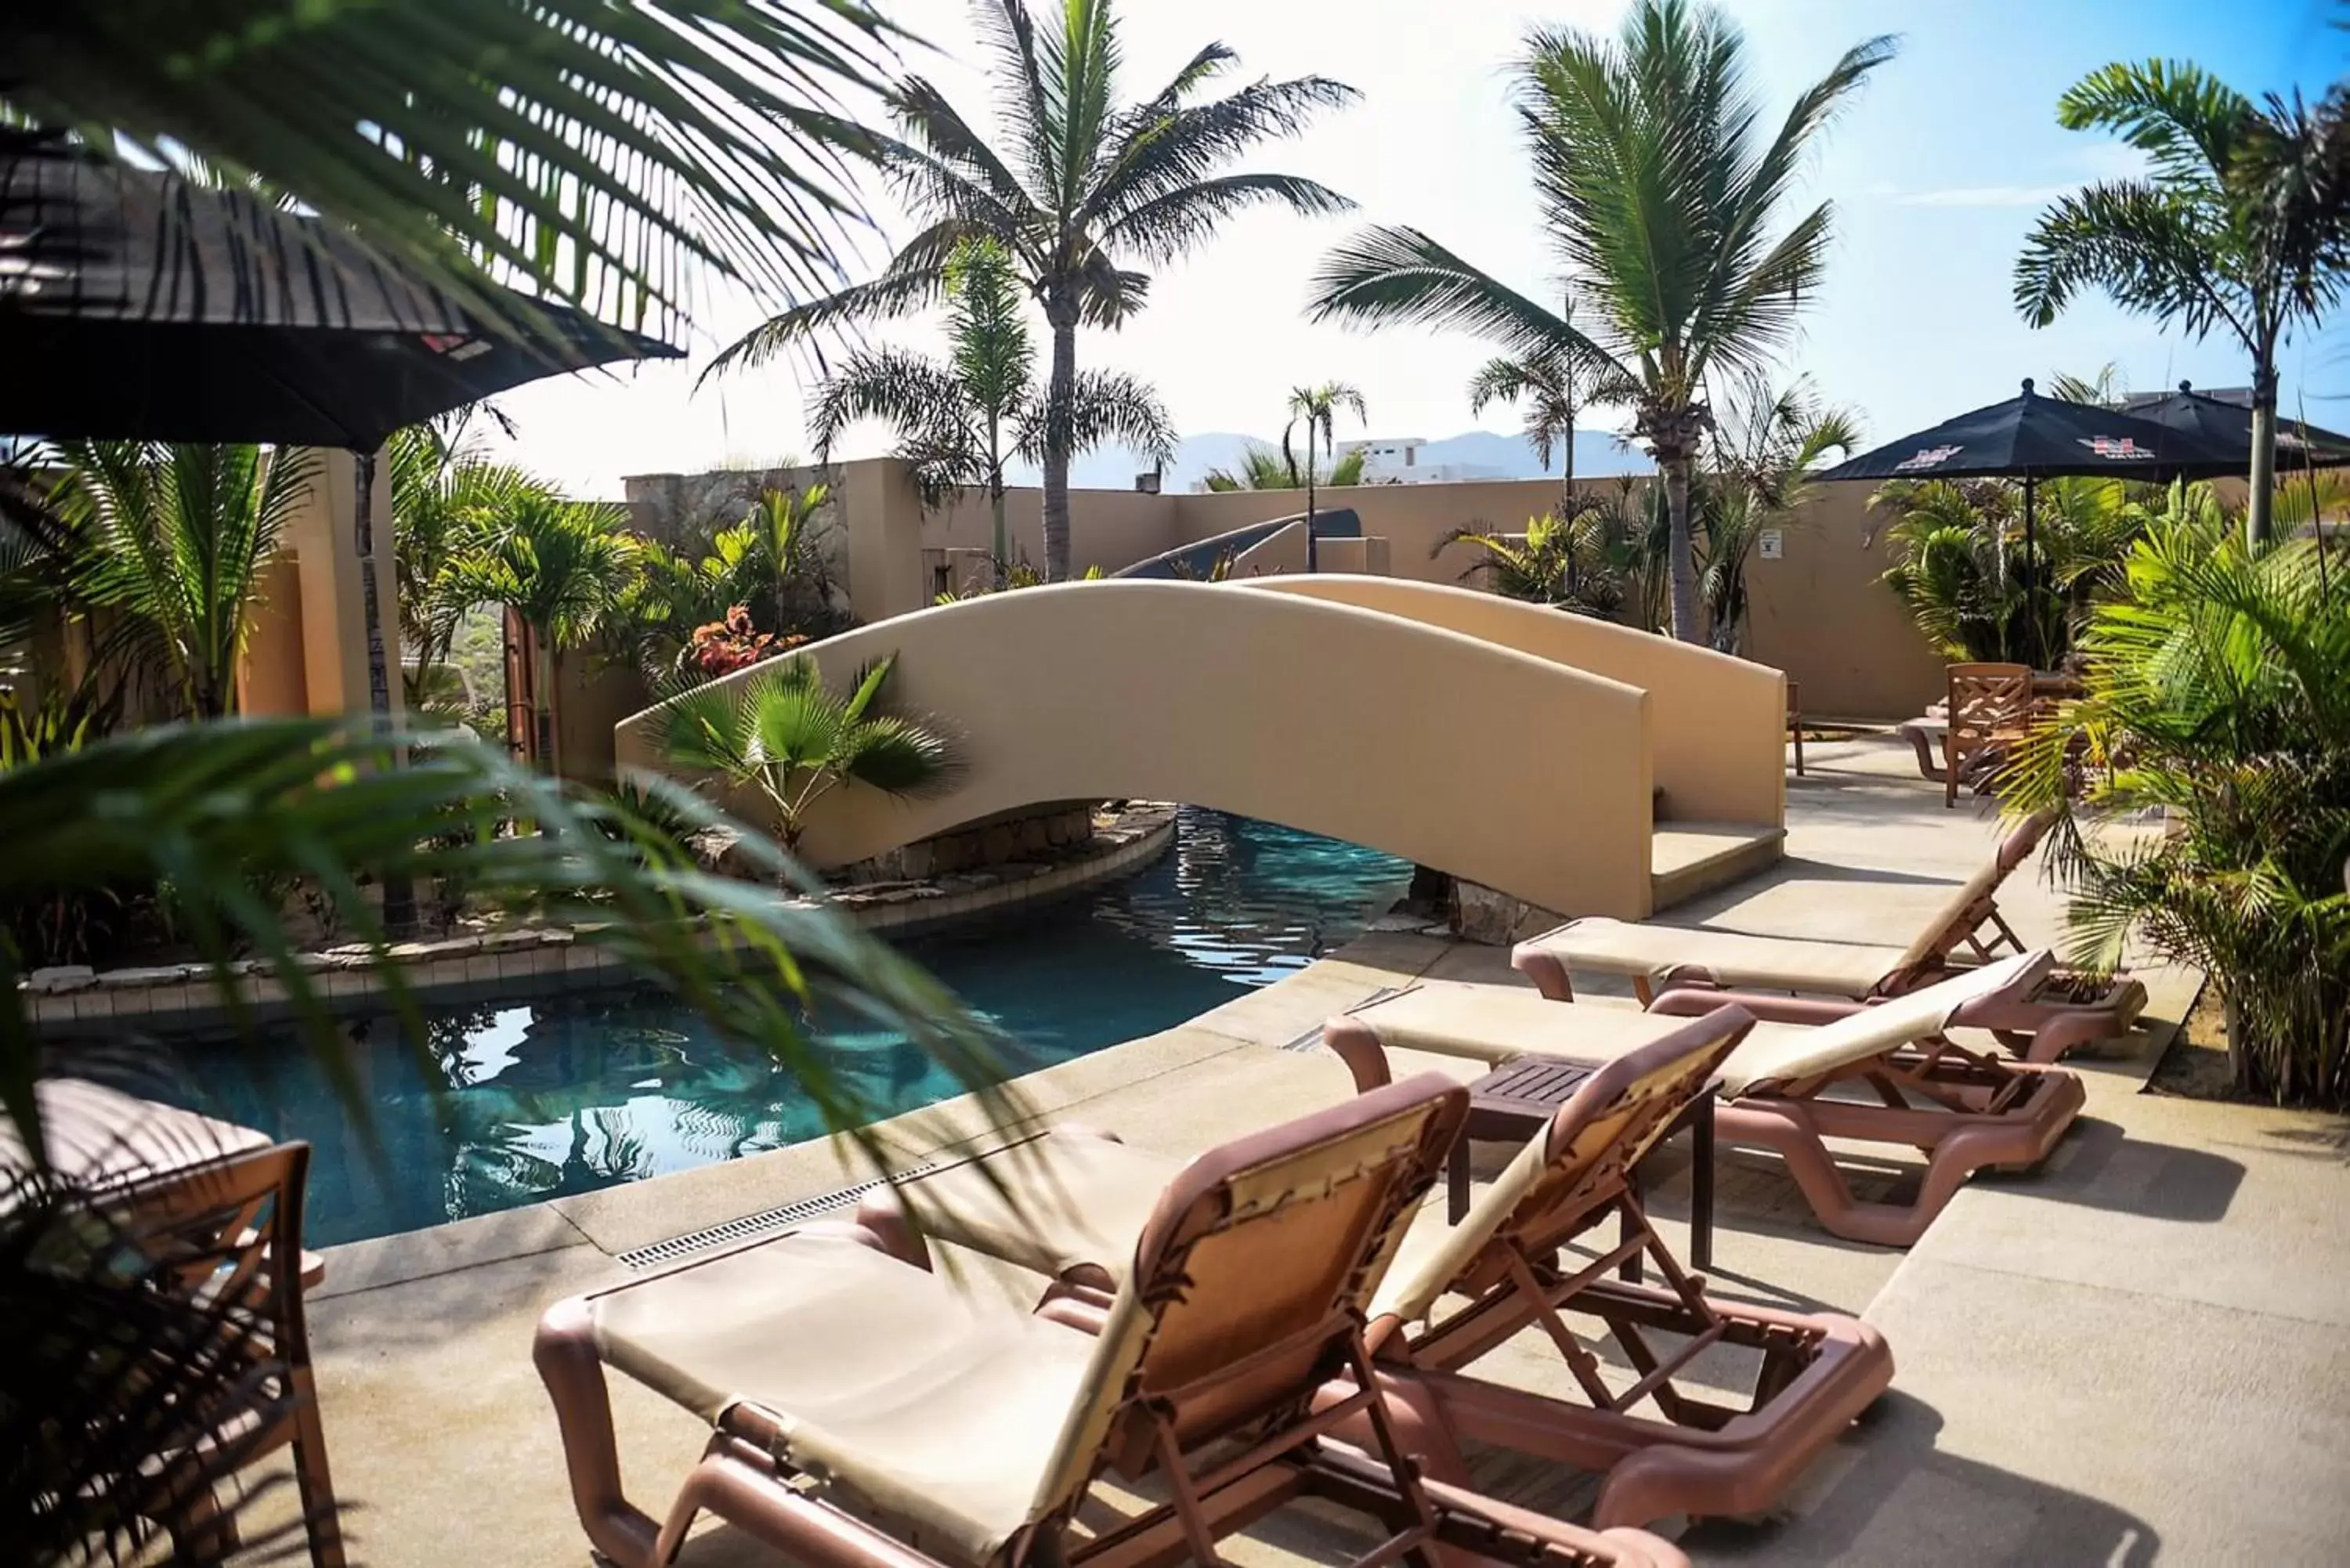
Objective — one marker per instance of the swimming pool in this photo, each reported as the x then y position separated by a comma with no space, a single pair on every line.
548,1096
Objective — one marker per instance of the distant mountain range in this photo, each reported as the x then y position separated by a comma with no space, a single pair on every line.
1597,454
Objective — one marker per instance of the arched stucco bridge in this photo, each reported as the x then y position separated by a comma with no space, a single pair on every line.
1499,741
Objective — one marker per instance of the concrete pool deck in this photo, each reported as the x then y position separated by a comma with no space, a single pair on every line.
2136,1351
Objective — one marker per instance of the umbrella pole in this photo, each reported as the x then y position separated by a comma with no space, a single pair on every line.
399,890
2032,648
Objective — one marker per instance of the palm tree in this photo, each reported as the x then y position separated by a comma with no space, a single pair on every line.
2209,238
1316,409
1266,467
174,538
1662,200
958,423
1090,188
786,733
447,496
1763,462
1546,382
559,565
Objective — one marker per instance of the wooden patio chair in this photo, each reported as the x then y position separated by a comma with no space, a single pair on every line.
228,1233
1989,711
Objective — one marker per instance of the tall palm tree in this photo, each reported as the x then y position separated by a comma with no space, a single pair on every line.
1089,188
559,566
1546,382
958,423
1317,408
174,538
1662,198
2210,237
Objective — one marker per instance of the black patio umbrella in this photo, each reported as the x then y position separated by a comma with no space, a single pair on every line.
2226,419
2032,438
136,305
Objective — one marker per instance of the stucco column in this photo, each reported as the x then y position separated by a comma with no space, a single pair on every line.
882,516
333,641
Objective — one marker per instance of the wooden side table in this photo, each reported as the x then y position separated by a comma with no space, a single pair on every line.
1516,1099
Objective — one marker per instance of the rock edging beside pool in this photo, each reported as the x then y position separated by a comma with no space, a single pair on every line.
1123,841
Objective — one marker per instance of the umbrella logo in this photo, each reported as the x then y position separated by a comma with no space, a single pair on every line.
455,345
2122,449
1926,459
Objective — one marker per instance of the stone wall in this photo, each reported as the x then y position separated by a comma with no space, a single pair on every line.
998,840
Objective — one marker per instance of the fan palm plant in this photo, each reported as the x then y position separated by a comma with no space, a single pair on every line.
1662,198
559,565
174,538
1085,189
2208,238
786,733
960,422
1316,409
2218,692
1262,466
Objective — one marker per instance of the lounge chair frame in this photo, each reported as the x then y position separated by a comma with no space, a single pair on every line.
1964,1110
1256,1398
1697,1456
2039,1028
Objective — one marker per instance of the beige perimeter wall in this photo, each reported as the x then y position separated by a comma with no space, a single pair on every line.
1322,716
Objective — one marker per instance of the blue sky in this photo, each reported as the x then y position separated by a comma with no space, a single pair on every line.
1937,173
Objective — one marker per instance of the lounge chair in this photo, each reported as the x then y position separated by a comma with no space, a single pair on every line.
866,1413
1697,1457
1783,1087
1967,930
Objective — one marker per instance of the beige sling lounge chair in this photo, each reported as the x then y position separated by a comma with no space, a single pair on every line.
1791,1082
1967,931
1698,1457
866,1413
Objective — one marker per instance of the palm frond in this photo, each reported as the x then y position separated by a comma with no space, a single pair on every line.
599,152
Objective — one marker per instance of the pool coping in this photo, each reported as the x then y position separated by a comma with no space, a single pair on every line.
535,958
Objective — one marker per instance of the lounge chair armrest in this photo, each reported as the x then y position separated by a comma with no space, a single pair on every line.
1357,1044
1769,1007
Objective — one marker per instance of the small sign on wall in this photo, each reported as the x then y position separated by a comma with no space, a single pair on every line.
1770,544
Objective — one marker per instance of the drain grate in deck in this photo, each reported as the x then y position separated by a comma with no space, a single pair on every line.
766,1223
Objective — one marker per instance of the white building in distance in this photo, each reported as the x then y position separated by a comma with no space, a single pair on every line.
1400,460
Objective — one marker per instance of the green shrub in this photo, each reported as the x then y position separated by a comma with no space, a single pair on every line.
2217,716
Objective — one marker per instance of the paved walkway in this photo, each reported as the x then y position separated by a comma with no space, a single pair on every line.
2134,1352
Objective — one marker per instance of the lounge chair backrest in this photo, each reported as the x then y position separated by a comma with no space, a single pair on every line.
1964,910
1795,1055
1250,1281
1577,1164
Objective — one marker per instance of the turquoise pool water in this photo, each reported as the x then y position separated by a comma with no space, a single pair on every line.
546,1096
